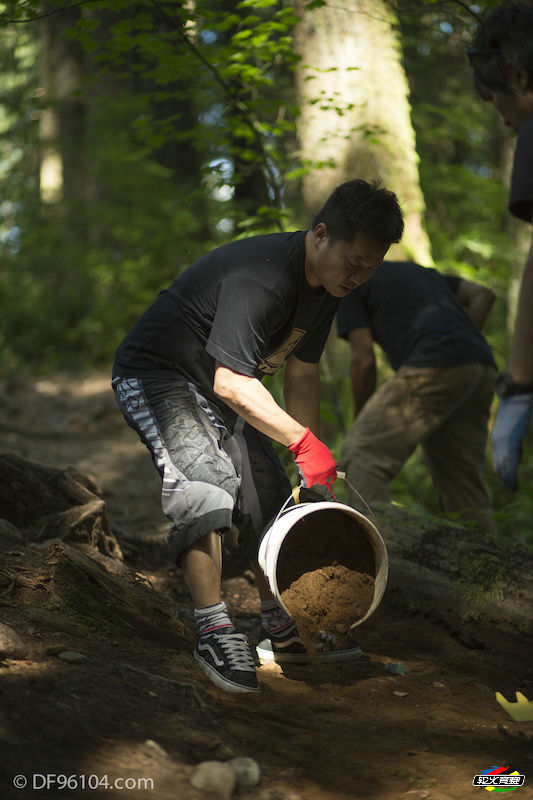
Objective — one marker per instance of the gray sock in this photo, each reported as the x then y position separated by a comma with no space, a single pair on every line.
213,619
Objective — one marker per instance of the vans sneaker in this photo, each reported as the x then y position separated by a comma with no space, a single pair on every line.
288,648
226,659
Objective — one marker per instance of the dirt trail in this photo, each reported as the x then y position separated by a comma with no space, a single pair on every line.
343,732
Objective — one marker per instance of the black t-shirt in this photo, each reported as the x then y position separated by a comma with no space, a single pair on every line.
521,196
415,317
246,304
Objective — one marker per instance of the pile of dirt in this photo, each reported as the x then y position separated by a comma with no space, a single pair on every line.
320,539
328,601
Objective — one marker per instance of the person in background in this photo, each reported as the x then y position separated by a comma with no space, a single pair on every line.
428,326
187,378
501,57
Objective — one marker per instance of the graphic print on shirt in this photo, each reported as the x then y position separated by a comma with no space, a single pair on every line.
274,361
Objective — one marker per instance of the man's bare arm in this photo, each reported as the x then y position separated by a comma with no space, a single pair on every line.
514,411
254,403
520,364
362,367
477,301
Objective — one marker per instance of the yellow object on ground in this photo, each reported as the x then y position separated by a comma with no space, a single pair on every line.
521,711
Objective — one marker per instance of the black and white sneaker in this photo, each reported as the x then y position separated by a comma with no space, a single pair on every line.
227,660
288,648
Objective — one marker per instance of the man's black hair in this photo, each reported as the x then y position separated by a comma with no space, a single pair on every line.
360,207
504,37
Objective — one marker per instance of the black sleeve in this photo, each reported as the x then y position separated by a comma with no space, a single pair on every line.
351,315
312,345
453,282
521,196
247,313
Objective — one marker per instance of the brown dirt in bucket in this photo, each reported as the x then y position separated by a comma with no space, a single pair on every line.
328,600
325,573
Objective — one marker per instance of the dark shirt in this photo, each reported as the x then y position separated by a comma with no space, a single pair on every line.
415,317
521,195
246,305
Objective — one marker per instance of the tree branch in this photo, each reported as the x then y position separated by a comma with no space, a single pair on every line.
468,9
233,98
418,7
235,101
4,21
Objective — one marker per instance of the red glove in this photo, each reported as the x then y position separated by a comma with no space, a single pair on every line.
314,460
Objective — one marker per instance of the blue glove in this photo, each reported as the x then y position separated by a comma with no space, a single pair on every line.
508,433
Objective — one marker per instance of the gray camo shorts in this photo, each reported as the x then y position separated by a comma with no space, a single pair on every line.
210,478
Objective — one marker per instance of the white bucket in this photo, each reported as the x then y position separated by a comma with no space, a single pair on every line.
309,536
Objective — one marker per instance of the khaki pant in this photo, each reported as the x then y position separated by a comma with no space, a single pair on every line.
446,410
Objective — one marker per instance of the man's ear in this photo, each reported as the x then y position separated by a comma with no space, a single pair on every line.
320,234
520,80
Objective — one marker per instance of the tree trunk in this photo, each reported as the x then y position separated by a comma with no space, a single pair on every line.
51,167
355,114
63,164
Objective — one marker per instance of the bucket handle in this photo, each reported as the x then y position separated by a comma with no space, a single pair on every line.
342,476
284,506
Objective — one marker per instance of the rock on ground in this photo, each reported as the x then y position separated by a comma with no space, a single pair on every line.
11,644
215,777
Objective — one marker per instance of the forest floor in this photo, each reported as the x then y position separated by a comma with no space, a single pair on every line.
343,732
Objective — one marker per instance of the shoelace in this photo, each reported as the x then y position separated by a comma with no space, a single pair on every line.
237,651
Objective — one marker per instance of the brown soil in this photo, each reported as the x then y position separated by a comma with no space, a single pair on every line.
328,601
321,539
138,706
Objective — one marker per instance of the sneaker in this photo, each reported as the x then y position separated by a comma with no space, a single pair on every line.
226,659
288,648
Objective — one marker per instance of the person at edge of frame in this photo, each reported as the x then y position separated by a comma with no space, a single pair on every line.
187,378
429,327
501,57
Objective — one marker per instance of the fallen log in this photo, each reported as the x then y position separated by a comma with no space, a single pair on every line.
437,565
46,503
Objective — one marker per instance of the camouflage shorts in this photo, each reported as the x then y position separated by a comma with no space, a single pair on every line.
210,478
